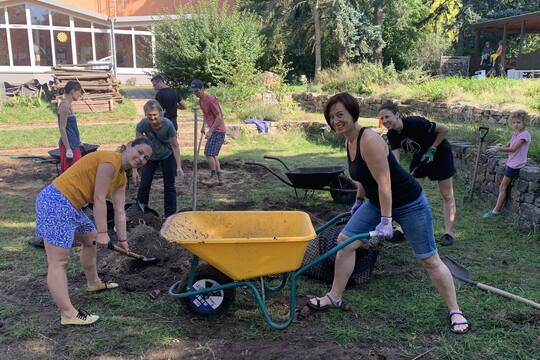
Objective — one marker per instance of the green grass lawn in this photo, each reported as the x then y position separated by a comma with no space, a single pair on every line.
41,112
397,309
94,134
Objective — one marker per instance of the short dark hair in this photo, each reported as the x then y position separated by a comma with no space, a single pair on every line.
158,78
389,105
72,85
348,101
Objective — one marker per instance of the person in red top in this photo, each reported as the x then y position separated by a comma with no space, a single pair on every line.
215,135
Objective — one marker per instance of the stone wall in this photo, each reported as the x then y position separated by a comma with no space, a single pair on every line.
522,205
433,110
523,202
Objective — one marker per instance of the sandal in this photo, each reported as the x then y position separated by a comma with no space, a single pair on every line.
102,285
336,304
452,325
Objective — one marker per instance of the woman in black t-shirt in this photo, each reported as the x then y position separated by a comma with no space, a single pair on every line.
386,191
431,155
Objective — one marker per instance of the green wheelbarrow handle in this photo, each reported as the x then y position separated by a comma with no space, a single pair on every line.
173,290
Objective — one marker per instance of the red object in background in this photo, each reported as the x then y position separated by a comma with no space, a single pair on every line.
64,162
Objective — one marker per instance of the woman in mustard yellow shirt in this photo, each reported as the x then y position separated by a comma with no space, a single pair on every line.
60,219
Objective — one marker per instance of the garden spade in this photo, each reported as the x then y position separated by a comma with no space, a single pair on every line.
141,258
482,132
462,274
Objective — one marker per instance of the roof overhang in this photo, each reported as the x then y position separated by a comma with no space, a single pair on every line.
92,15
513,24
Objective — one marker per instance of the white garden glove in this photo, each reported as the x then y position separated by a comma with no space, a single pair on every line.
69,154
384,229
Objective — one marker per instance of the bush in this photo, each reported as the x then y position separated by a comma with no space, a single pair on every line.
216,44
261,110
426,54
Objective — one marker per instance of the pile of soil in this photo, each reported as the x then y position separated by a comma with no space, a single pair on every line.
135,275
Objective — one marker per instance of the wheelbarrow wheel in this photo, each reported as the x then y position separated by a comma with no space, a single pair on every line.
213,303
342,197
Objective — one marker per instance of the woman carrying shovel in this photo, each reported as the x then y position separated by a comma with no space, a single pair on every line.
60,219
431,155
390,193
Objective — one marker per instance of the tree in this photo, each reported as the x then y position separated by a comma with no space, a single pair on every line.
215,44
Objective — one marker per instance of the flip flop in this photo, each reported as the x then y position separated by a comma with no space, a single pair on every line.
452,325
336,304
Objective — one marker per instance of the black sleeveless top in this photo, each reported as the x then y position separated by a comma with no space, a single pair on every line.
405,188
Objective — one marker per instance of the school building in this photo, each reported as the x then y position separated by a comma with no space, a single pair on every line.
38,34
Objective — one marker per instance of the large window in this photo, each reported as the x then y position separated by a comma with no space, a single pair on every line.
80,23
60,19
143,51
19,47
4,51
46,37
17,14
42,47
103,45
62,47
124,50
84,47
38,15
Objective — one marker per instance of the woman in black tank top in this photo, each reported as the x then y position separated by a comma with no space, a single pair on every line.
385,190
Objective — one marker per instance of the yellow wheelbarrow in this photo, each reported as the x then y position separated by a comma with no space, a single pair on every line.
242,245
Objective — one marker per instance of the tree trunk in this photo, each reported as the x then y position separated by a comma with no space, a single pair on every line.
460,43
378,17
342,60
317,42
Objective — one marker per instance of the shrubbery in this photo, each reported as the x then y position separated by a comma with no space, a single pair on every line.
214,43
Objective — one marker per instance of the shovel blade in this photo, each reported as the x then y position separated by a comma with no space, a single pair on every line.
458,271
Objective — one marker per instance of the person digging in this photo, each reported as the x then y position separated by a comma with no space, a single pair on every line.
60,220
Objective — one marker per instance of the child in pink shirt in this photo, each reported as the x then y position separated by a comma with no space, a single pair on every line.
517,149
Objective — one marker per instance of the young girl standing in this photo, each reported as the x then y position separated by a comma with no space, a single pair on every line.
70,141
517,149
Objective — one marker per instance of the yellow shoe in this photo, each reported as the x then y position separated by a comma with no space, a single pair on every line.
82,318
102,285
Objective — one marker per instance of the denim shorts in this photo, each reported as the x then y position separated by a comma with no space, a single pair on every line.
511,172
57,220
415,220
213,145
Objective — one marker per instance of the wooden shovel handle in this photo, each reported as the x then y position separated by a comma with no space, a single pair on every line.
508,295
118,249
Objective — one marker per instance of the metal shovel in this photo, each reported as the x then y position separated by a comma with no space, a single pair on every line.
482,132
142,258
460,273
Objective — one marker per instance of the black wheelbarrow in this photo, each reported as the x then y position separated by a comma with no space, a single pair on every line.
54,156
325,178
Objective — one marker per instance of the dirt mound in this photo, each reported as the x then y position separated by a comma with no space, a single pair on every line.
133,275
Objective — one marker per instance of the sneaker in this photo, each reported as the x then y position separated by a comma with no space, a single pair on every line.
102,285
447,240
36,242
489,214
82,318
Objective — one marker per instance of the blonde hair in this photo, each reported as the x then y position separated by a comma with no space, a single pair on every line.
521,115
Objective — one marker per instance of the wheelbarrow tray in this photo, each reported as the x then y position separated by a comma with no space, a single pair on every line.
243,244
85,149
313,177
